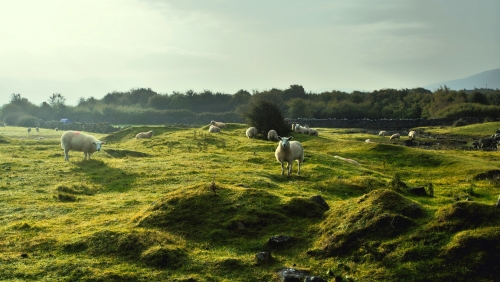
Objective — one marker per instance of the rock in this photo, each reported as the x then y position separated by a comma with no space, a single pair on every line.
419,191
314,279
241,226
291,275
278,240
263,257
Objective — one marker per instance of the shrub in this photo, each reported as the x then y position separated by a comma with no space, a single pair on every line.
264,116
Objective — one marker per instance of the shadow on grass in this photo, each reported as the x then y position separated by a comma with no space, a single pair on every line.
110,178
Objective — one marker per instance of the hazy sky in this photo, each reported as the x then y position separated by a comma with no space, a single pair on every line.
94,47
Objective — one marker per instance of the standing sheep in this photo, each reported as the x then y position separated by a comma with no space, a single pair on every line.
297,128
213,129
412,134
252,132
76,141
148,134
382,133
29,130
395,135
287,152
272,135
218,124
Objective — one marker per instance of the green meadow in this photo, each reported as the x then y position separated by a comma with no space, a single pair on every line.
187,205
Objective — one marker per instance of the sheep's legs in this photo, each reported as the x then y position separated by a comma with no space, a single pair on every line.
298,171
66,155
289,168
282,168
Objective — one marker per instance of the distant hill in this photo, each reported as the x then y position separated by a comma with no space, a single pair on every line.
488,79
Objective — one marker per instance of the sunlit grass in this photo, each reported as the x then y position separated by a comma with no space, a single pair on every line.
51,210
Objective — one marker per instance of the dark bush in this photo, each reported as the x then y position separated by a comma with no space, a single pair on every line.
264,116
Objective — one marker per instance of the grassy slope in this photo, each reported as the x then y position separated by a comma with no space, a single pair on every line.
143,210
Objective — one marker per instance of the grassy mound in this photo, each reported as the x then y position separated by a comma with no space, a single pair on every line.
378,215
151,248
226,213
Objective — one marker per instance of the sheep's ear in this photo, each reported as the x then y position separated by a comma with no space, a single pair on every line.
290,138
279,138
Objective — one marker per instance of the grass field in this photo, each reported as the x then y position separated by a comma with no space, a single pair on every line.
191,206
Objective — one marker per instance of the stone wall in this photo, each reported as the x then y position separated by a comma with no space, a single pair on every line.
381,124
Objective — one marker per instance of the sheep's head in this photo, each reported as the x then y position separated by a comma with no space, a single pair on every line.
98,145
284,141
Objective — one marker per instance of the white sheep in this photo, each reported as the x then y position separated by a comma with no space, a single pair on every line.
293,126
37,129
77,141
252,132
213,129
304,130
412,134
287,152
382,133
148,134
313,132
218,124
272,135
297,128
395,135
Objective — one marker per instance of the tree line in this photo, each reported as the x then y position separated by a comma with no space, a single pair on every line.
145,106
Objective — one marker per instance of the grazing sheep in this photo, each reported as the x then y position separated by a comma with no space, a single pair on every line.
293,126
297,128
412,134
272,135
313,132
213,129
252,132
76,141
37,129
382,133
288,151
304,130
218,124
29,130
148,134
57,129
395,135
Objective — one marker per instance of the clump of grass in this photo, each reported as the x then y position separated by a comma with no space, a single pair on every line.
397,183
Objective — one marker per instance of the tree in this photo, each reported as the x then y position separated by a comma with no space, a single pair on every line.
265,115
57,100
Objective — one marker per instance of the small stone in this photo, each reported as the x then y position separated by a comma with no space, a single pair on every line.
263,257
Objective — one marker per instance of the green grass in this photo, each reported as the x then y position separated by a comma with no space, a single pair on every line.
187,205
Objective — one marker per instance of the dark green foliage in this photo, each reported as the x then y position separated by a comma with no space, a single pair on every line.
264,116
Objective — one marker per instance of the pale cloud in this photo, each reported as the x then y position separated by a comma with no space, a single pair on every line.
90,48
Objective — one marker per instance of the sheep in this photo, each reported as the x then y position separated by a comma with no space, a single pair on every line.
252,132
218,124
144,134
412,134
76,141
382,133
293,126
213,129
272,135
395,135
313,132
304,130
37,129
29,130
297,128
57,129
288,152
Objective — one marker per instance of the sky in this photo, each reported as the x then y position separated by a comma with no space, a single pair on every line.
94,47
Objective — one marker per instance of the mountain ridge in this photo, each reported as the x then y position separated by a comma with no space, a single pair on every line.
487,79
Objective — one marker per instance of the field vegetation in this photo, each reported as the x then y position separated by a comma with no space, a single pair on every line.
187,205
